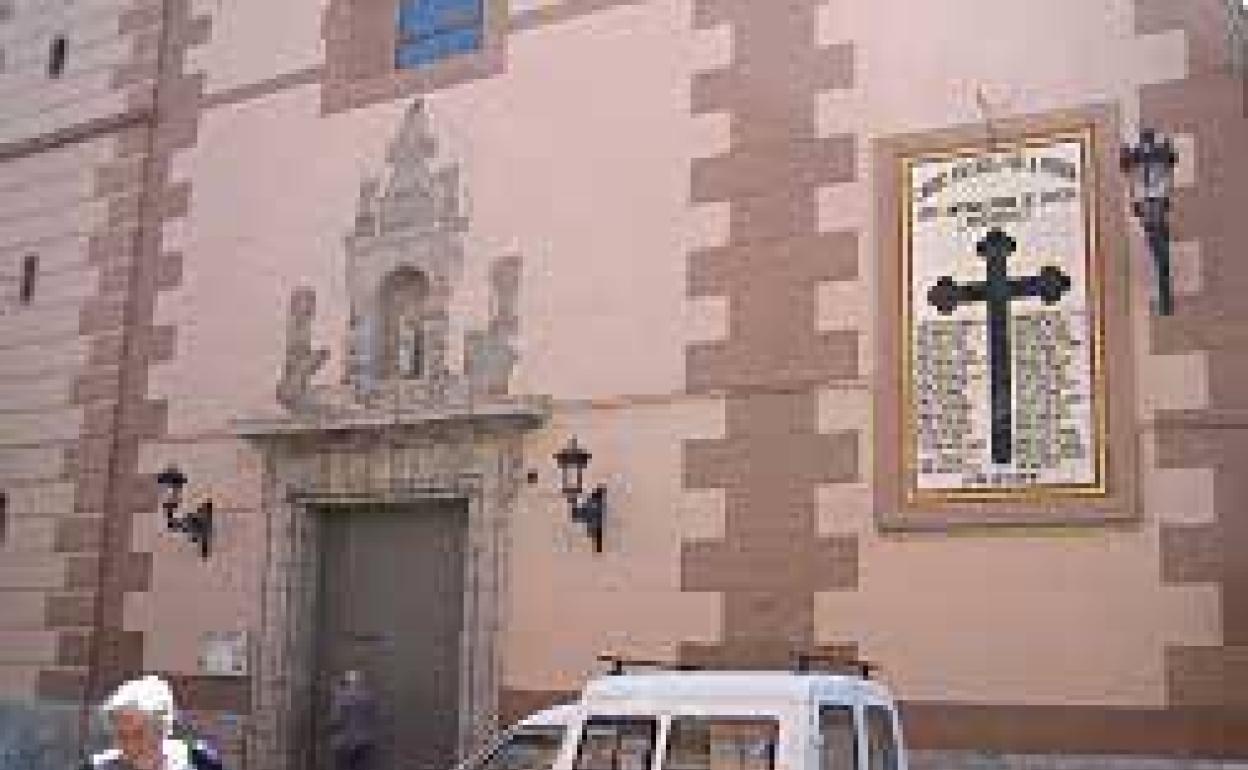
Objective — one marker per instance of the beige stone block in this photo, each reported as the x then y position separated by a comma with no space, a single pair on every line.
844,509
29,534
51,499
17,682
840,409
36,394
701,514
23,609
36,427
843,305
32,570
839,111
712,134
139,611
1175,495
1187,267
45,321
708,225
521,7
36,647
711,49
848,206
66,286
1186,171
64,354
19,464
1178,381
45,193
831,25
50,223
706,319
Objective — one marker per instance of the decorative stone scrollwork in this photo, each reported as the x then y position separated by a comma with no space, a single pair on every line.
302,360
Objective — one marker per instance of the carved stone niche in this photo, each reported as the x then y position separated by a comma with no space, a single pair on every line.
404,259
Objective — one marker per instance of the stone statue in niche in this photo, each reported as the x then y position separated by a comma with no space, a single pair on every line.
366,213
404,296
410,353
302,361
360,370
490,355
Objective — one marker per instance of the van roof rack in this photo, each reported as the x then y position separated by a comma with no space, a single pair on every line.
619,664
803,663
832,663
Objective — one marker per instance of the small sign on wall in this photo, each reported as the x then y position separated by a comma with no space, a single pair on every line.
223,653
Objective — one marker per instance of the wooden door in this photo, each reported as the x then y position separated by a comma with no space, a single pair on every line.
391,606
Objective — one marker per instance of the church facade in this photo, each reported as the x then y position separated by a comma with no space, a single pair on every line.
848,304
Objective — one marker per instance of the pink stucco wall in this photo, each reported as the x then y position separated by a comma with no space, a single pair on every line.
583,171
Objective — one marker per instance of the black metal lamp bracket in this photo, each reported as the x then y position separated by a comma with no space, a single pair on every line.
591,511
196,525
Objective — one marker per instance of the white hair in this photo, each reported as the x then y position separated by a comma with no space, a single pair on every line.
149,696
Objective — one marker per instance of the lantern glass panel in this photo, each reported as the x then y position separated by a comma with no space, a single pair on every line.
571,478
1154,179
171,496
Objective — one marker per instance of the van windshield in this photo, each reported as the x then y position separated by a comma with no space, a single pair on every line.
527,748
722,743
617,743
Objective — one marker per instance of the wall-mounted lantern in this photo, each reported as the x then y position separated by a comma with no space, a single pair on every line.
591,509
196,524
1150,167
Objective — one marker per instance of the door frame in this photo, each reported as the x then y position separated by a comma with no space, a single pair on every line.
368,470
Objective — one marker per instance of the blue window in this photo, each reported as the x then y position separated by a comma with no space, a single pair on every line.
431,30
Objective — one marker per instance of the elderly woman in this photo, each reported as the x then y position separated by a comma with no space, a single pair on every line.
140,713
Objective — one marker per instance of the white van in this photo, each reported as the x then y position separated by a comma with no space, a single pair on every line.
710,721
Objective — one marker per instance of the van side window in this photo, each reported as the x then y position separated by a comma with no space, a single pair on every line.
839,742
617,743
722,743
529,748
880,739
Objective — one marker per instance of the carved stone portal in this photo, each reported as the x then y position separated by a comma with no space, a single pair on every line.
400,427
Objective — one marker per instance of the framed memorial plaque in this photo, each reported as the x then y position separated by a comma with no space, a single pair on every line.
1002,387
996,322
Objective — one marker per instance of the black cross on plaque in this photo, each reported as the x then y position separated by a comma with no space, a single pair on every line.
997,290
